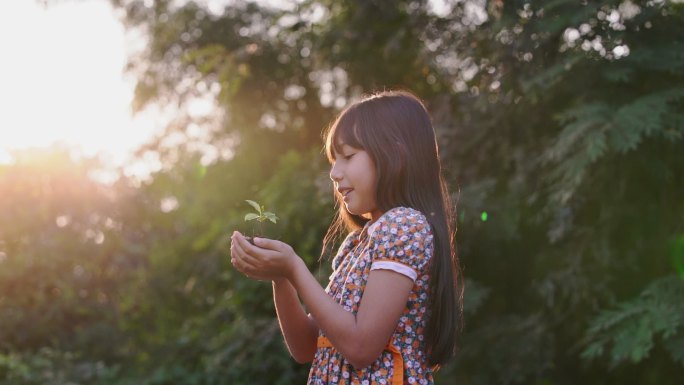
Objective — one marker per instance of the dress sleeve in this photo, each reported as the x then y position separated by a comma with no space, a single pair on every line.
402,242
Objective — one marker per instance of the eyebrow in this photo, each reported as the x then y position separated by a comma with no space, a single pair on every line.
340,146
345,151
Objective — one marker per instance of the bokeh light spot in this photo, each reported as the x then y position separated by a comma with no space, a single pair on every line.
484,216
678,256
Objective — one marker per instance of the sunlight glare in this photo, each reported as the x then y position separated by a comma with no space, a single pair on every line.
64,82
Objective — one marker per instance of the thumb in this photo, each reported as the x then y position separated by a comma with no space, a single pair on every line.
265,243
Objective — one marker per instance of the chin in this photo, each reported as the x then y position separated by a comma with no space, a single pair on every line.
359,213
352,211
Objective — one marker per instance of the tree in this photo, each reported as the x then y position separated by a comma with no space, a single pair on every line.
560,127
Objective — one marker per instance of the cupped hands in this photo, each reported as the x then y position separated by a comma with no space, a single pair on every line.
267,259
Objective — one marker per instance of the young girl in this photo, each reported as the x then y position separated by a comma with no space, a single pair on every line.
392,308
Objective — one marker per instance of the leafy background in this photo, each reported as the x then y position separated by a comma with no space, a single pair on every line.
560,126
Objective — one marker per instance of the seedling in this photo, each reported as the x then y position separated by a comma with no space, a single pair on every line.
261,215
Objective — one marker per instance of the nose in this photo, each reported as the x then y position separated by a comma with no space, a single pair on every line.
335,173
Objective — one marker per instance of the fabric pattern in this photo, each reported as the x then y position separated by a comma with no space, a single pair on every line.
401,236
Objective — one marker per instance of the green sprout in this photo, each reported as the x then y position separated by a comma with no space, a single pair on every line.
261,215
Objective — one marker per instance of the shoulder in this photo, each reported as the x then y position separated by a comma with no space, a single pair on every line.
401,223
406,214
402,235
401,219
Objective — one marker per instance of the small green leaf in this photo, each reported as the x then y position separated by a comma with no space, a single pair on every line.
271,217
251,216
255,205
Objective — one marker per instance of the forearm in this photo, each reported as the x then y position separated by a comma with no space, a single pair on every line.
360,337
300,331
339,325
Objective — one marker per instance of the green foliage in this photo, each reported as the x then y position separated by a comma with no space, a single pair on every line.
597,129
52,367
507,344
561,121
475,296
575,155
627,332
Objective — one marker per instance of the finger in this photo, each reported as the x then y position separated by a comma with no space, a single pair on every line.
269,244
239,243
233,249
241,260
248,271
244,265
243,254
235,257
254,254
236,251
245,245
243,268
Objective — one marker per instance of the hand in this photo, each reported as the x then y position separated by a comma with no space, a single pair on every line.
268,260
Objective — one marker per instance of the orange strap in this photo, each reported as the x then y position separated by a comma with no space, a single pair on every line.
397,360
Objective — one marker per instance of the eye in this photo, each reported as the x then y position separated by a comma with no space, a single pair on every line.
347,157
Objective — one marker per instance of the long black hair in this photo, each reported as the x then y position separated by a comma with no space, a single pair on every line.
394,128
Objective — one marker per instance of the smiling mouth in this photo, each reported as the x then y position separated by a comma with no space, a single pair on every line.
346,192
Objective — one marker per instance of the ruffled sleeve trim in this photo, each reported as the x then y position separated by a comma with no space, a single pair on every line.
403,269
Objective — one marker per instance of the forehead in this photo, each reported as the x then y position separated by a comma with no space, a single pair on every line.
342,138
341,146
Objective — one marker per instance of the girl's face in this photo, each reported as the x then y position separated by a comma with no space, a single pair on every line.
353,172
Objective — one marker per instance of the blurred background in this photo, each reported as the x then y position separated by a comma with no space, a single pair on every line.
131,133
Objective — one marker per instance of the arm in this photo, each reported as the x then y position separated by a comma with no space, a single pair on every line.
359,338
363,337
299,330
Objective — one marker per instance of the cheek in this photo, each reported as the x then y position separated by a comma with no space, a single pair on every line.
372,181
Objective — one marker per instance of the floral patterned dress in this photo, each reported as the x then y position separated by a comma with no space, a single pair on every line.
400,240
